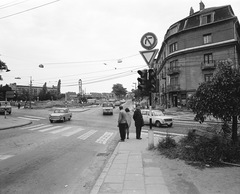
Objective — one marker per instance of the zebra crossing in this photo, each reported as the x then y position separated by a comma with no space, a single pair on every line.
31,118
67,131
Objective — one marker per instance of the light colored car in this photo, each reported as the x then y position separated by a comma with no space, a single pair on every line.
60,114
5,105
158,118
117,103
107,108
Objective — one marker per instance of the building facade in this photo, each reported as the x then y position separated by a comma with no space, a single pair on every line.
191,51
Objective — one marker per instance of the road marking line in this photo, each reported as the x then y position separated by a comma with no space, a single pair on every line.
67,134
31,126
34,117
4,157
60,130
104,138
29,119
36,128
87,135
48,129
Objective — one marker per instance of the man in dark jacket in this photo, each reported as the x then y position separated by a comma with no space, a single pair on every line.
137,117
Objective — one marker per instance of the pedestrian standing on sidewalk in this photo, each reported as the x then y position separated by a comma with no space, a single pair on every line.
137,117
122,123
129,120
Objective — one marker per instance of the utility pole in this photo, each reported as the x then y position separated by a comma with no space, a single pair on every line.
30,93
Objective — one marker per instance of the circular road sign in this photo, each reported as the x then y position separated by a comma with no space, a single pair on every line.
149,41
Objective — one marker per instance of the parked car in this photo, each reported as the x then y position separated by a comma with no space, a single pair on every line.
117,103
60,114
107,108
5,105
158,118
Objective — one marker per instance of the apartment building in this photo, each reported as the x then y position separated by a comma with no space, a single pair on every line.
192,49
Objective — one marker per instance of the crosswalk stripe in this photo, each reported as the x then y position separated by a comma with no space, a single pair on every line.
49,129
67,134
36,128
60,130
104,138
31,126
28,118
34,117
4,157
86,135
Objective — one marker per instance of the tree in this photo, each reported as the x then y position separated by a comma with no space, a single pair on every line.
43,92
58,89
219,97
119,90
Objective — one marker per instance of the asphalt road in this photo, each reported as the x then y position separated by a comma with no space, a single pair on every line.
59,157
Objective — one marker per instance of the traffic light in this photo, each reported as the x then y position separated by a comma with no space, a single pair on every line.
152,80
143,80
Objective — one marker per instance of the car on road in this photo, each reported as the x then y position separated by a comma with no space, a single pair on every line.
60,114
158,118
5,105
117,103
107,108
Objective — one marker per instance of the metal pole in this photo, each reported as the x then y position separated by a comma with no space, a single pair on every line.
150,131
30,93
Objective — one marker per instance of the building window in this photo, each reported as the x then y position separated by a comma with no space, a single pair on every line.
208,58
206,19
208,77
174,80
173,47
207,38
173,30
173,64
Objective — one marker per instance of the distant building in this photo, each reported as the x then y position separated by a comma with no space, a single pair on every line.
20,89
191,51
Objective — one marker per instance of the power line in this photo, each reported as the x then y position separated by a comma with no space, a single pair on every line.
10,4
30,9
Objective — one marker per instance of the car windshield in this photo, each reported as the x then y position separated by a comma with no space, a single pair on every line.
59,111
158,113
107,105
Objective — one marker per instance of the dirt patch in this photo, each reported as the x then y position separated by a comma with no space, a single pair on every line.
182,178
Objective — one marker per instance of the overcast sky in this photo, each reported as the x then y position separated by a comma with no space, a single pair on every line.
97,41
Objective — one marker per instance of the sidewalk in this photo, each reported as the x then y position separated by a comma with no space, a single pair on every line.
11,122
131,169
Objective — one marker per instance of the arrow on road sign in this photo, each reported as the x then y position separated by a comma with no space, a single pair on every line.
149,56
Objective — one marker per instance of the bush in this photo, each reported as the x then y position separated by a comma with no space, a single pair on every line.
201,148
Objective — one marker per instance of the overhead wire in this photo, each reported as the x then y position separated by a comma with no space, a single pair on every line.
30,9
10,4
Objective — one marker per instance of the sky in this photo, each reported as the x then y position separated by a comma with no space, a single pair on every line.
95,41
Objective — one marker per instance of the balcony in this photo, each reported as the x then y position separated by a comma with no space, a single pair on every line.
211,65
173,88
173,70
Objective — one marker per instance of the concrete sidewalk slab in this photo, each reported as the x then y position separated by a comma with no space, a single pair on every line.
130,170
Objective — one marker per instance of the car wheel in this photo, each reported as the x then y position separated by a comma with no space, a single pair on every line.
64,119
51,121
69,118
9,112
170,125
157,124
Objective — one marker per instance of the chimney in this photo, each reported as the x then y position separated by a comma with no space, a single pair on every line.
191,11
202,6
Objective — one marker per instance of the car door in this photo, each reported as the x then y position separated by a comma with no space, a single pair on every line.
145,115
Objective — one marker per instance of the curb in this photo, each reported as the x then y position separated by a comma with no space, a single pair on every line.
103,174
21,125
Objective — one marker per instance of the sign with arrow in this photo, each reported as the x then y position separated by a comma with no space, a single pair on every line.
149,56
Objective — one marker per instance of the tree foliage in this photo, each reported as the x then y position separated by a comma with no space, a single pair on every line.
119,90
219,97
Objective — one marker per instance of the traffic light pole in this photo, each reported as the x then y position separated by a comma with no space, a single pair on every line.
150,131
